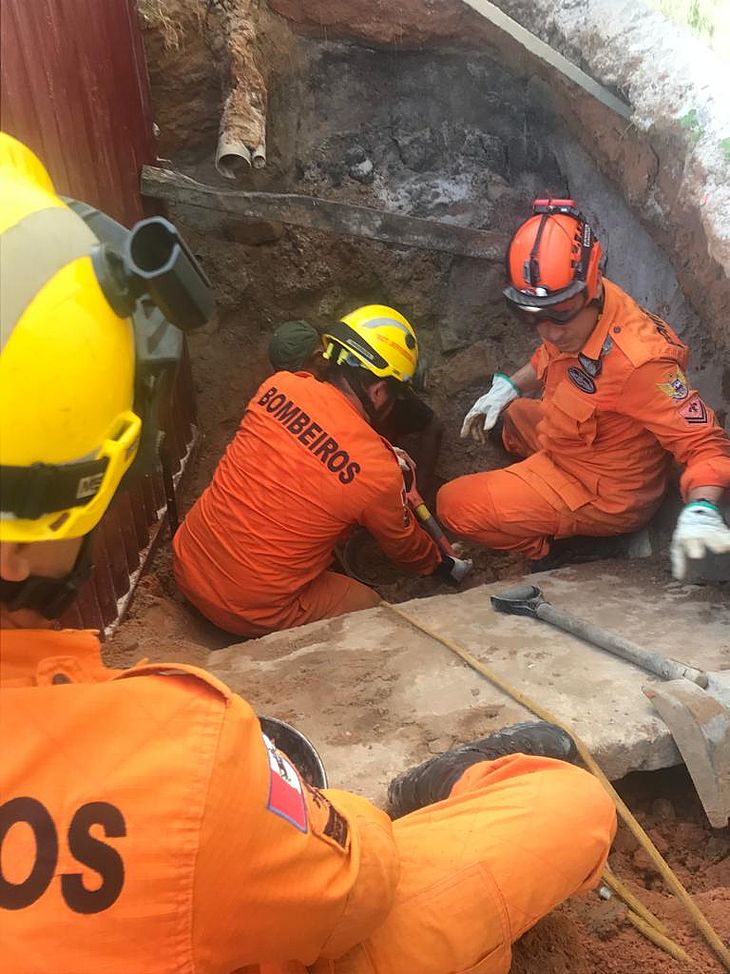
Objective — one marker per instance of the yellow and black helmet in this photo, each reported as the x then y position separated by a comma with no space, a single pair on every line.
68,430
376,338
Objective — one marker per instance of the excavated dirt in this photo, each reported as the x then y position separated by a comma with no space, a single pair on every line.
588,935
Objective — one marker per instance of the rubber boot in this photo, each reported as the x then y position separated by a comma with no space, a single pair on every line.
433,780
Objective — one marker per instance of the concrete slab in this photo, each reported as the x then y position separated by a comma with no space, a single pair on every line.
376,695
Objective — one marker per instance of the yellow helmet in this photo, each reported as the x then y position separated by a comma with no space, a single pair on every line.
377,338
68,430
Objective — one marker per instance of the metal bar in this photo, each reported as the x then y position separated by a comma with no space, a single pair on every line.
550,56
330,216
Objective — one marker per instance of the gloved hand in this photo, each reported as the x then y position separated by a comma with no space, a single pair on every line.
484,413
700,528
454,570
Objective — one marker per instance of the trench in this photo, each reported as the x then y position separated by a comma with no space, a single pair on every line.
444,124
444,133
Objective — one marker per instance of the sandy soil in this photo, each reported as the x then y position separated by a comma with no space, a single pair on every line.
589,935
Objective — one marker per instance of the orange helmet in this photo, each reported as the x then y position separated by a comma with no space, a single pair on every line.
553,257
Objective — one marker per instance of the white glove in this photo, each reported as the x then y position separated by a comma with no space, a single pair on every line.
700,528
489,406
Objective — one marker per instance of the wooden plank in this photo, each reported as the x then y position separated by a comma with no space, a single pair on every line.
330,216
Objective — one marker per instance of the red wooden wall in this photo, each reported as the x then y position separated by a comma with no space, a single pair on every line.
74,87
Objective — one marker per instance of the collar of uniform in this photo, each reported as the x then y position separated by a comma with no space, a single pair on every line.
594,346
40,657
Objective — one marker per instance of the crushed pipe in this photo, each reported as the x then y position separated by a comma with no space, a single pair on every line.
232,41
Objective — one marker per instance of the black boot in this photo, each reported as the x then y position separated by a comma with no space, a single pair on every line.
582,549
433,780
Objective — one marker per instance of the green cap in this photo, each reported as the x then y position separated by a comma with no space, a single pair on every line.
291,345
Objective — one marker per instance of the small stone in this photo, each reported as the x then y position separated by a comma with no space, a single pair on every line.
419,151
363,172
355,155
717,848
438,745
663,809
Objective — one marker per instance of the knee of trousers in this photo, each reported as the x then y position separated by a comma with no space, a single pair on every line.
465,505
589,817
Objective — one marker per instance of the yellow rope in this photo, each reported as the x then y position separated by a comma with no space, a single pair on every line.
624,893
664,869
651,933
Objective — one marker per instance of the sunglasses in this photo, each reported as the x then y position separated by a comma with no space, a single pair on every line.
559,314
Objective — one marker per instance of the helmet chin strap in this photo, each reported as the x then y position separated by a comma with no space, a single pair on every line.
354,378
49,596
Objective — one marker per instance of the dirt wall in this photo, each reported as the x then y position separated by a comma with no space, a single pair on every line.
533,122
672,161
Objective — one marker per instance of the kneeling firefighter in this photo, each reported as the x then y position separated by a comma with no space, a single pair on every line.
305,467
146,824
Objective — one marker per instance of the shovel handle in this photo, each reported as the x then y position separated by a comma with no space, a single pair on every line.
667,669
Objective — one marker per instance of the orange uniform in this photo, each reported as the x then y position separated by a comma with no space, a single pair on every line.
146,826
598,444
302,470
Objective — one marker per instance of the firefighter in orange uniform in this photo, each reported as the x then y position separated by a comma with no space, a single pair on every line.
614,408
304,468
146,824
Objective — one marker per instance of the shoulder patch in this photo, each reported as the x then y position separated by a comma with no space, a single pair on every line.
694,411
674,385
583,381
327,821
286,793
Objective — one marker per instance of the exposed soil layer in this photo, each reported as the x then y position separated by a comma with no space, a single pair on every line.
589,935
